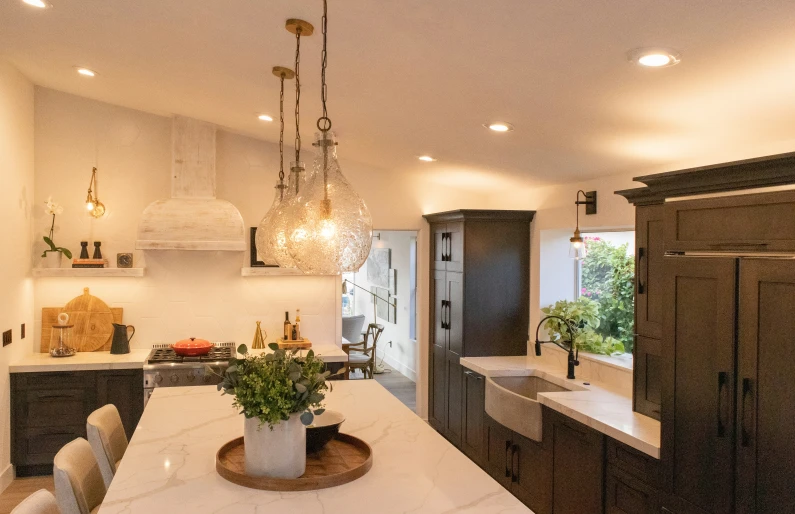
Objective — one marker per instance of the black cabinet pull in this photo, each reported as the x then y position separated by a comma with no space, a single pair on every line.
449,315
722,382
445,245
508,459
641,285
514,467
745,434
445,325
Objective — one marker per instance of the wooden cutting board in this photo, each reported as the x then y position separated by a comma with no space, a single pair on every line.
92,319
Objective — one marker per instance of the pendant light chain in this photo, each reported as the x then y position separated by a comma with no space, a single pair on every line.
281,135
324,123
297,100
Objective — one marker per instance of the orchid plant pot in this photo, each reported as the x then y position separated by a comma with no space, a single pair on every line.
52,259
278,452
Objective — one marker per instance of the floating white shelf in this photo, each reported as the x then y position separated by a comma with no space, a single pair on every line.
88,272
273,272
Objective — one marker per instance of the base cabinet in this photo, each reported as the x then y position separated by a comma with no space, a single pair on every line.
473,438
50,409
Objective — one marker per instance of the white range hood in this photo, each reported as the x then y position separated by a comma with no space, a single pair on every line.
193,218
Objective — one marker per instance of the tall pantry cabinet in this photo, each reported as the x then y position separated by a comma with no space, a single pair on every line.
479,299
715,334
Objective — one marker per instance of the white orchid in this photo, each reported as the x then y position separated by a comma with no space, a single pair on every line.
51,208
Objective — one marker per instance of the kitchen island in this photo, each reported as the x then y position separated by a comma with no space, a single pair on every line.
170,463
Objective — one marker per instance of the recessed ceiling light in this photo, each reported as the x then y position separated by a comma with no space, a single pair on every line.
499,126
654,57
85,72
265,117
41,4
426,158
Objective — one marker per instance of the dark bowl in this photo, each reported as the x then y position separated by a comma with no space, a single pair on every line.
323,429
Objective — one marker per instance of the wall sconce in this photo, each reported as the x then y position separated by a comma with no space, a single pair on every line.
577,250
94,207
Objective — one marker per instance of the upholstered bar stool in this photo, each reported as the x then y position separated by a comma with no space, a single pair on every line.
108,440
40,502
79,487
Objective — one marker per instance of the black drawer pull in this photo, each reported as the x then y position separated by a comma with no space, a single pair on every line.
638,273
722,397
514,467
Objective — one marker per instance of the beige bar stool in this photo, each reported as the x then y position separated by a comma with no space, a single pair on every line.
79,488
108,440
40,502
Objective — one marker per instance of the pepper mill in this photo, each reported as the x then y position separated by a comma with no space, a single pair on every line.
84,249
97,252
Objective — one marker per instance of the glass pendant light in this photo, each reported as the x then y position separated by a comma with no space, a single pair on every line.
277,236
264,230
332,232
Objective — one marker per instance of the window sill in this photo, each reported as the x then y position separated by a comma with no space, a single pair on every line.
620,362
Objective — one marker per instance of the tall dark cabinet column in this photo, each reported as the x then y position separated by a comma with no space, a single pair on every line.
480,276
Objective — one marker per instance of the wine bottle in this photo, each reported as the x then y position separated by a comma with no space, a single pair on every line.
288,328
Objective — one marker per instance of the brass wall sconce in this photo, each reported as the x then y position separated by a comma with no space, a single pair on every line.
94,207
577,250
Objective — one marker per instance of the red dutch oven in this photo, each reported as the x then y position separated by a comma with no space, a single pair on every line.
192,347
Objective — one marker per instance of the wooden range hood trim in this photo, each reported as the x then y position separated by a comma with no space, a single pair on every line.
193,218
771,171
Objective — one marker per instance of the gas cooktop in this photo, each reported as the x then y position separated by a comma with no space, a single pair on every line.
221,352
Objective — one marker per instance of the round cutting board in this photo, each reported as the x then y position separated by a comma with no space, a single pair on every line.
93,321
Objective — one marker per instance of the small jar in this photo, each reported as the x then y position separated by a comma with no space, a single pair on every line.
61,338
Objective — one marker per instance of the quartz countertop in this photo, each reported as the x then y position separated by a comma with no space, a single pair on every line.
170,463
599,406
81,361
326,352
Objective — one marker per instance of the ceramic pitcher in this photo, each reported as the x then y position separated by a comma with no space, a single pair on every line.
121,342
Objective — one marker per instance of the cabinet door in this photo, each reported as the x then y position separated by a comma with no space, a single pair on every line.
438,385
473,440
455,313
698,385
455,400
649,252
531,474
440,311
498,451
627,495
647,376
125,390
440,247
577,466
455,246
765,389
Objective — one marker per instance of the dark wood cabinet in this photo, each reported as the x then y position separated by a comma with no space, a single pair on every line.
50,409
625,494
578,454
698,384
765,393
521,465
474,436
474,252
649,253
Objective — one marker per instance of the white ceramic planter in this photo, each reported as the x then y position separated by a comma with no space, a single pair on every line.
277,453
53,259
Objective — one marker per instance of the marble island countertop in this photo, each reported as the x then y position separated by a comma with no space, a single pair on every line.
598,405
326,352
170,463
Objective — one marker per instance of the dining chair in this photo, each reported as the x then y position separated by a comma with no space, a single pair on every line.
108,439
79,488
361,355
40,502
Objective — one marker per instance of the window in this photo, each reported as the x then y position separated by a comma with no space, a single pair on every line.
606,278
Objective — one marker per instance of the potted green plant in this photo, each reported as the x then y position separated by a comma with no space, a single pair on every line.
52,257
279,394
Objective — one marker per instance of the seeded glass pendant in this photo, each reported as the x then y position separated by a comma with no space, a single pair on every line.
283,213
264,253
331,231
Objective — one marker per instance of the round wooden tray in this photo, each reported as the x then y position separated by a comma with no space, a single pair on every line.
343,460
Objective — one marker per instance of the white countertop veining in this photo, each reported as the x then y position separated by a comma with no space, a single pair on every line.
170,463
599,406
81,361
327,352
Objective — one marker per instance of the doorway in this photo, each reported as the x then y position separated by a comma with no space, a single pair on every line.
384,291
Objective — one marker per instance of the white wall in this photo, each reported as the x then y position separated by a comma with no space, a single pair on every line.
402,355
16,209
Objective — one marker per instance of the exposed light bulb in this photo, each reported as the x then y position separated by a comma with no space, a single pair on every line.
90,206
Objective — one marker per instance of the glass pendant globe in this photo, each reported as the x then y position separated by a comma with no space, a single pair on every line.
277,235
331,232
264,253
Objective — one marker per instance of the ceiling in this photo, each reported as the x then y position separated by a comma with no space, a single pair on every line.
414,77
